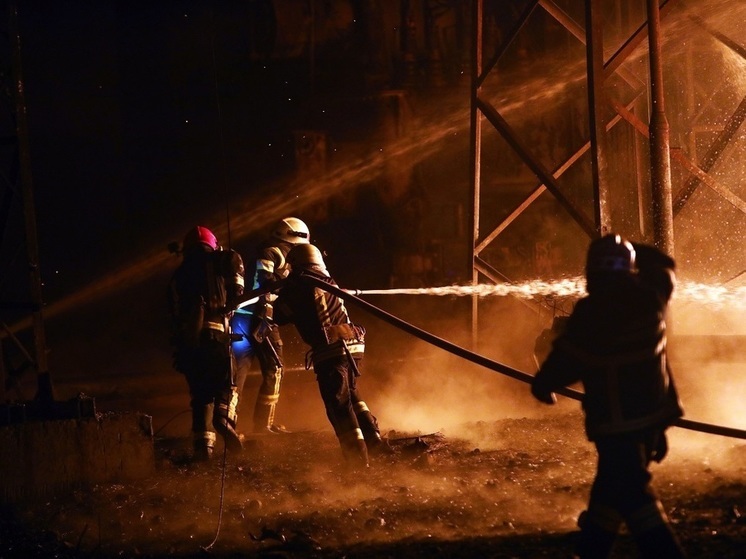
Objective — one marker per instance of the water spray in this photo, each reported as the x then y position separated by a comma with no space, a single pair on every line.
352,297
713,295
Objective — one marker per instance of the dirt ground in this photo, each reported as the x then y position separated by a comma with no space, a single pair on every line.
478,468
507,488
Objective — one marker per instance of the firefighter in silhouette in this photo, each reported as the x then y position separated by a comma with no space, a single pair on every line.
202,293
256,327
337,347
614,342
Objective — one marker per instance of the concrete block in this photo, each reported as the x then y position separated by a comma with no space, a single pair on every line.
43,457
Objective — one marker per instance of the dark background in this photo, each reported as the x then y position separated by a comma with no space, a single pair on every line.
145,118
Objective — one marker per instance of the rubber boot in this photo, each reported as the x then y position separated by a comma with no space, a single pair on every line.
595,542
267,398
653,534
224,419
355,450
204,446
263,415
367,421
659,543
598,530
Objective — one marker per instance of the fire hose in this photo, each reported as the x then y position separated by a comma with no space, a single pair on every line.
351,296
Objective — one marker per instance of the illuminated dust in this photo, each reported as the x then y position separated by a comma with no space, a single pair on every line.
476,469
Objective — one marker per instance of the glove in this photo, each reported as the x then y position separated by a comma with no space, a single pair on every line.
648,257
659,447
546,397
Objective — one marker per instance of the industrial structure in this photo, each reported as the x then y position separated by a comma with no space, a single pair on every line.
571,118
613,123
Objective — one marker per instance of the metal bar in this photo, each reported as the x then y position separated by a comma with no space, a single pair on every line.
475,148
727,41
684,161
660,143
482,75
539,189
544,175
711,157
45,390
489,271
577,31
595,69
628,48
511,217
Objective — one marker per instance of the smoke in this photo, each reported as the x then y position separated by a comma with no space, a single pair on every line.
430,390
713,454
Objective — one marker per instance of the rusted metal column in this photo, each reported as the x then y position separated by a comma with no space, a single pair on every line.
45,392
476,152
660,147
595,66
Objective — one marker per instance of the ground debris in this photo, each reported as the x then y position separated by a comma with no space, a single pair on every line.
510,488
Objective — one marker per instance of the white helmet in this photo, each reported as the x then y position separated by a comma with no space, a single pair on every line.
292,230
307,257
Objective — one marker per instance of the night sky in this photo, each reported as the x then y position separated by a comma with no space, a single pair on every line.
146,118
143,118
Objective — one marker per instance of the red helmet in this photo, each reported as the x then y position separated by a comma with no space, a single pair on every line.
200,235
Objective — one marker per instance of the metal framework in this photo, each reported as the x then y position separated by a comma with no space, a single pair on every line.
601,97
16,196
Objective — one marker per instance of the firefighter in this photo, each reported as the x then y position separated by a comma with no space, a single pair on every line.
337,347
202,293
614,342
255,326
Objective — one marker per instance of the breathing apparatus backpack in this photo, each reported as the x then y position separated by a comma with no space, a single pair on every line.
199,298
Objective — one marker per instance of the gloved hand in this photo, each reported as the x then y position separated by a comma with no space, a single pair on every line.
648,257
659,448
546,397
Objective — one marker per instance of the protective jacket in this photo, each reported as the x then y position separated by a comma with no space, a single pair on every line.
202,293
271,266
260,336
615,344
337,348
320,317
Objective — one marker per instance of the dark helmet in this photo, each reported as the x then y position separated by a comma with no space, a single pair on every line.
306,257
611,254
292,230
200,235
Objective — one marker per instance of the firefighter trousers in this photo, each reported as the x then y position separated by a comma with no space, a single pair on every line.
354,425
621,492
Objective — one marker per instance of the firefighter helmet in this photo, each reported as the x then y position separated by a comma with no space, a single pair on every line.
292,230
611,254
306,257
200,235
